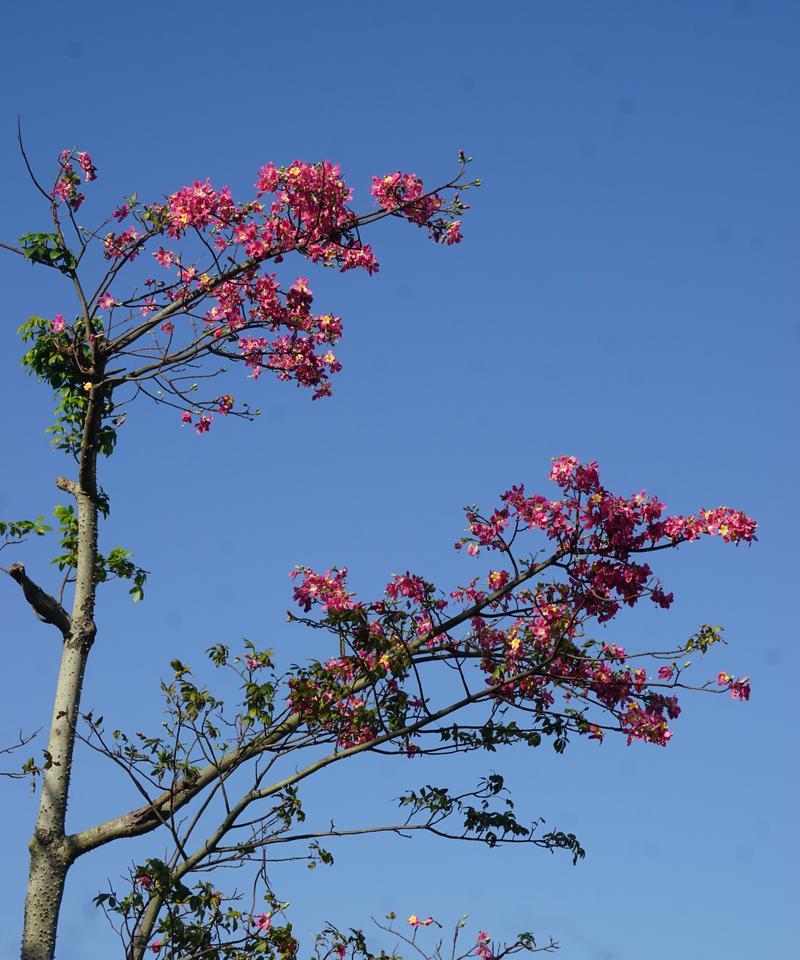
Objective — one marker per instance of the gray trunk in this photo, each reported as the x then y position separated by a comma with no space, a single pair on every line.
51,855
48,873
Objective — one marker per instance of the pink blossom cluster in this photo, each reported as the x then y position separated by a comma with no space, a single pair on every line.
200,206
66,186
483,946
732,525
349,718
529,641
308,213
738,689
121,246
303,208
311,210
327,589
404,194
203,424
412,588
86,165
300,346
650,725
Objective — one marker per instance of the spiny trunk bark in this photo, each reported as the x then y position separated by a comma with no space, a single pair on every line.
51,854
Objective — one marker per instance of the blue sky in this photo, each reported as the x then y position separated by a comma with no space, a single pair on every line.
626,291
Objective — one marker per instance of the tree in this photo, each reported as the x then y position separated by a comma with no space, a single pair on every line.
507,658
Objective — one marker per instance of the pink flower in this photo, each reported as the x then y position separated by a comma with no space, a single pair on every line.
156,945
121,212
328,589
58,324
186,417
203,424
740,690
452,234
483,946
341,949
64,189
404,194
497,579
168,328
263,921
165,257
199,206
89,169
123,245
106,302
665,673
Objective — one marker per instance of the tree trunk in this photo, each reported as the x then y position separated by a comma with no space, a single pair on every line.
51,854
48,872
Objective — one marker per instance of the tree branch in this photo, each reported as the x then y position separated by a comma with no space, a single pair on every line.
46,608
145,819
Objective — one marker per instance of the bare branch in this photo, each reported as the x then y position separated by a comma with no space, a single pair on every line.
46,607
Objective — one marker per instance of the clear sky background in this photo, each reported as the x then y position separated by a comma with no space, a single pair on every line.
626,291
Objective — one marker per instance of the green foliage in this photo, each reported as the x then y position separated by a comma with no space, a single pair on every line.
49,250
116,565
17,531
61,359
488,816
34,770
705,637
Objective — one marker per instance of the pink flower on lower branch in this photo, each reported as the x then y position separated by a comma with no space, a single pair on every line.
738,689
263,921
483,946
